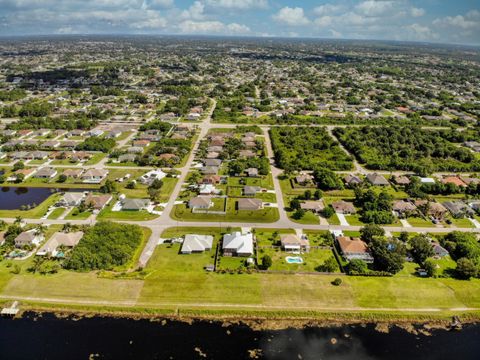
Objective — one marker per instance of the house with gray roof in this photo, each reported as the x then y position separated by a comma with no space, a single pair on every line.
196,243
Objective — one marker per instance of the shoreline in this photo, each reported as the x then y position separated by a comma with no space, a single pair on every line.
259,320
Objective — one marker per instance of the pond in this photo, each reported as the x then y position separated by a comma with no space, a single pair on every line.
48,337
12,198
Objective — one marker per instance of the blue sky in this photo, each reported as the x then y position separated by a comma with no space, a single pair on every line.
443,21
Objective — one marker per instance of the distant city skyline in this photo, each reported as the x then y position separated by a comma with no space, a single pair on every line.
455,22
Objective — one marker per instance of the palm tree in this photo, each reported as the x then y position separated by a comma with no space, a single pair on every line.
18,220
40,229
67,227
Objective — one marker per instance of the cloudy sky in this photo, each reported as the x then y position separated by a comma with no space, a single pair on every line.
445,21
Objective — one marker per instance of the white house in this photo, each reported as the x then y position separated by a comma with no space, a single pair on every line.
238,244
150,176
30,237
196,243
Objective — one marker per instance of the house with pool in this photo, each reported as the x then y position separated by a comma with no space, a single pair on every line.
238,244
295,244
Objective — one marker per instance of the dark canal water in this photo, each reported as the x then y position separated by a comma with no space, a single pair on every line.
107,338
12,198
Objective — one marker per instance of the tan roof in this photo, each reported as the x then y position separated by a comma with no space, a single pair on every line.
316,205
97,201
249,204
352,245
402,205
343,207
292,240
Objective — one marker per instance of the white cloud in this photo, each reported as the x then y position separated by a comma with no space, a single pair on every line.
212,27
375,8
195,11
158,3
417,12
418,32
328,9
471,20
291,16
324,21
238,4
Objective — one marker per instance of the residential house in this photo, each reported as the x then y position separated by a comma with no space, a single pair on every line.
200,202
352,180
72,199
207,189
249,204
344,207
97,202
403,208
52,144
439,251
455,180
151,176
39,155
354,248
315,206
196,243
211,179
401,180
74,173
28,238
433,209
458,209
58,240
80,156
209,170
46,173
251,190
135,204
135,150
252,172
294,243
94,176
127,158
377,180
246,154
212,163
304,179
238,244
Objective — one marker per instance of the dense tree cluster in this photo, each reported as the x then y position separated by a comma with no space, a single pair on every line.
303,148
105,246
376,207
406,148
96,144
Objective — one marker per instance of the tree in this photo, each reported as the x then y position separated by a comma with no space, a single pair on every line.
327,179
330,265
388,255
368,232
430,267
298,214
466,269
328,212
421,249
357,266
295,204
109,187
19,165
62,178
307,195
266,262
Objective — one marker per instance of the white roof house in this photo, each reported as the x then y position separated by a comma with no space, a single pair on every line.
72,198
152,175
427,180
196,243
238,244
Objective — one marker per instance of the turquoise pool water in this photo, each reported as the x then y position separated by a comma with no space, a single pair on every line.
294,259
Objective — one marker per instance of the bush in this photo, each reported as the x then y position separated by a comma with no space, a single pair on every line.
337,282
266,262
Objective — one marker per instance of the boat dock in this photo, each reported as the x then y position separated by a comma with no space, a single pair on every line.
10,311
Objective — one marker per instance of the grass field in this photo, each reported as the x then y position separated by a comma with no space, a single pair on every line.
56,213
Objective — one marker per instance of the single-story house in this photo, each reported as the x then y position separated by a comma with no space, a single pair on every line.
352,180
127,158
68,240
249,204
439,251
28,238
402,207
151,176
401,180
200,202
238,244
94,176
134,150
304,179
354,248
315,206
246,154
207,189
196,243
293,243
74,173
212,162
211,179
252,172
251,190
434,209
209,170
458,208
455,180
344,207
39,155
72,199
98,202
51,144
46,173
135,204
377,180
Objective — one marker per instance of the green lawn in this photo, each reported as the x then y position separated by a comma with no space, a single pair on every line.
55,214
420,222
95,159
80,216
308,218
266,215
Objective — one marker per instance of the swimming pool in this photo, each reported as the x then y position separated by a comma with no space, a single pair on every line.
294,259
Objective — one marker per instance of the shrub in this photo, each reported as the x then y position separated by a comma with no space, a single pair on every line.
337,282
